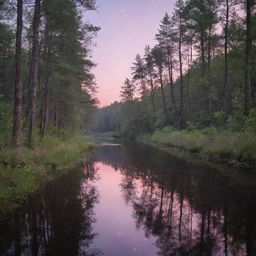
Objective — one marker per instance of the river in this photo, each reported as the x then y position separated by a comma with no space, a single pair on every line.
136,200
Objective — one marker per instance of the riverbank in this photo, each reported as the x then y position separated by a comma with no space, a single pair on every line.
23,171
234,148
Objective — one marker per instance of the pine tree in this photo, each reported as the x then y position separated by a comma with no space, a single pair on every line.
226,38
34,71
151,74
128,90
248,50
158,57
166,38
200,16
139,74
180,34
65,68
17,115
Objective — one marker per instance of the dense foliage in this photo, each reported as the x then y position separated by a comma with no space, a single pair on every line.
45,68
200,73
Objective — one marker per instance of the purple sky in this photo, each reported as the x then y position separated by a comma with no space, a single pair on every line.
127,26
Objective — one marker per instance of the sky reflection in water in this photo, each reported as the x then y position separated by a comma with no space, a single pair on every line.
134,200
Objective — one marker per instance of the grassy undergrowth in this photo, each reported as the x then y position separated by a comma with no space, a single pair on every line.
22,171
236,148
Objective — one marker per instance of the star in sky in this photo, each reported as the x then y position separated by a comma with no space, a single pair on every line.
126,28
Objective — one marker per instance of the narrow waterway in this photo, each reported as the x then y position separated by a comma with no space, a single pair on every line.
136,200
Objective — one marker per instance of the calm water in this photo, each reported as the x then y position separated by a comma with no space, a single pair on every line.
135,200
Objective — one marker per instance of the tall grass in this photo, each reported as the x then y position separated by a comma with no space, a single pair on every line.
221,145
22,171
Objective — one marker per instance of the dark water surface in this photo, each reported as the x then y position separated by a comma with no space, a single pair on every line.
135,200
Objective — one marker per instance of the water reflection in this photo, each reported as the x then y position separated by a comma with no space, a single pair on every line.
58,221
134,200
190,208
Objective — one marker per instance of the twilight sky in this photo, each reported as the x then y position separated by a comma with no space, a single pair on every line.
127,26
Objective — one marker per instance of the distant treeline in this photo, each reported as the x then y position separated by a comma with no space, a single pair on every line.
45,72
200,73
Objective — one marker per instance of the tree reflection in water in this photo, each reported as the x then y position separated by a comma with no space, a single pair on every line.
192,209
57,221
189,208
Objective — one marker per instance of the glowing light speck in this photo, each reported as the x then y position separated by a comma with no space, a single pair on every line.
127,27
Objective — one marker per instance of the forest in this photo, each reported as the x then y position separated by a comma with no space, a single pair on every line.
167,169
45,69
195,89
47,89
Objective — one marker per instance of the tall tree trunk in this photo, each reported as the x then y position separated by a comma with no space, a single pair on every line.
34,71
202,54
209,80
188,85
190,60
248,46
45,100
226,58
170,73
209,48
152,93
17,114
203,73
182,116
45,115
163,95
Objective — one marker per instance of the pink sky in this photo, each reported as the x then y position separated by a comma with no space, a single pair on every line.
127,26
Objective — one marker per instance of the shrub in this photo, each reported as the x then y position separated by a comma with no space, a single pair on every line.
225,145
5,124
250,122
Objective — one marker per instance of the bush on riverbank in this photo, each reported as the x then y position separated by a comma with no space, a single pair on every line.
23,170
218,145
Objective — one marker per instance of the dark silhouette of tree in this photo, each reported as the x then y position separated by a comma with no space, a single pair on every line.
158,57
151,74
139,74
17,117
34,71
178,16
166,38
128,90
248,48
